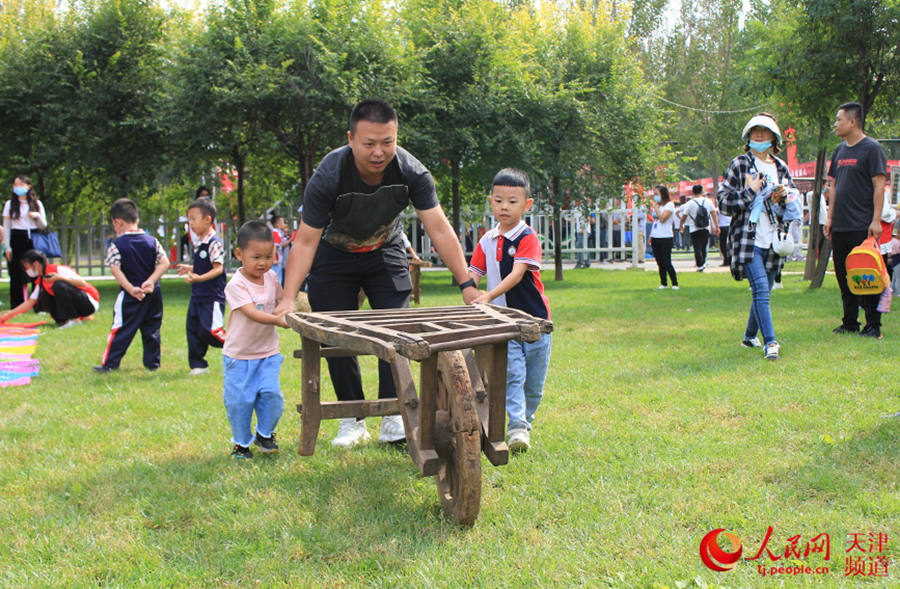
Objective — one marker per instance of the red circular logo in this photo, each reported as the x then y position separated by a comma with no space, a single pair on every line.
716,558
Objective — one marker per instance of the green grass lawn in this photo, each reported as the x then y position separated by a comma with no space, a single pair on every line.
656,427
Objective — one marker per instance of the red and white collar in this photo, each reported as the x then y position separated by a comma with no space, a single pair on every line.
511,234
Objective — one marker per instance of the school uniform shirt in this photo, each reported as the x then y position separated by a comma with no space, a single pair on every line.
494,257
208,252
664,229
246,339
137,253
64,272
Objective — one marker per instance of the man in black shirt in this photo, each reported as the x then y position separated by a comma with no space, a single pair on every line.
349,239
855,197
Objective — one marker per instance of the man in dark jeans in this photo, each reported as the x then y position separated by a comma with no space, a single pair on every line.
855,196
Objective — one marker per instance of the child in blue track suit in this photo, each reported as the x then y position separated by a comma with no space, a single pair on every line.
205,324
137,261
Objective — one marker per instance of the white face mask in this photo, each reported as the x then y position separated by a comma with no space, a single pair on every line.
32,273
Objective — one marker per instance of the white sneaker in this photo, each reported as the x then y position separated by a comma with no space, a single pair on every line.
519,440
350,433
662,287
197,371
777,285
675,287
69,323
752,342
773,351
391,429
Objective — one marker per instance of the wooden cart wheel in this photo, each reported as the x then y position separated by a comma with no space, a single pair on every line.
457,437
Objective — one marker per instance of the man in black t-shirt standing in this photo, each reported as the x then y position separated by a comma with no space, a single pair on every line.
855,195
349,239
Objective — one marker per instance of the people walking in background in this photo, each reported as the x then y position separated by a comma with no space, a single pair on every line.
582,232
22,214
756,192
855,199
662,235
703,216
724,229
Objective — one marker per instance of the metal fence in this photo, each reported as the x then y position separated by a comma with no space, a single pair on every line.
612,236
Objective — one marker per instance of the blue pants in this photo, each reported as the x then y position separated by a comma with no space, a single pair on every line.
130,315
252,385
761,285
526,370
205,326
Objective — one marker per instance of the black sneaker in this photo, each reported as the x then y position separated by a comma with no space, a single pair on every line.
266,445
102,369
241,452
841,329
871,331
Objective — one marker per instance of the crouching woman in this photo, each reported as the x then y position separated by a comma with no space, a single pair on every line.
58,289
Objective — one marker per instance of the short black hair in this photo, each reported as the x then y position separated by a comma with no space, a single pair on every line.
373,110
207,207
32,256
697,189
124,209
513,177
854,110
254,231
201,188
274,218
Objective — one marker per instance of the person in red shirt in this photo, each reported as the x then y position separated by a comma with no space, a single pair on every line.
57,289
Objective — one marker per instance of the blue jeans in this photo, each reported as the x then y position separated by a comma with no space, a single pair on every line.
761,285
252,385
526,369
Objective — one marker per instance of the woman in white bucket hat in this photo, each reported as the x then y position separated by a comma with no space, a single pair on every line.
758,193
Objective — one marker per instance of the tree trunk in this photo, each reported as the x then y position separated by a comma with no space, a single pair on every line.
557,227
815,239
454,192
239,165
823,245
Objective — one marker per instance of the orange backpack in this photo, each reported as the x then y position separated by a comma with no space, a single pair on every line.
866,273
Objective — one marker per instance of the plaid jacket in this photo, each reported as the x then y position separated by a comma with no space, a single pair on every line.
734,199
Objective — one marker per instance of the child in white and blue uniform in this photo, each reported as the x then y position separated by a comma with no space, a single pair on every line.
510,256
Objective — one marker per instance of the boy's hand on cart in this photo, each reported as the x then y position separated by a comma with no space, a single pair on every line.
285,306
481,298
282,320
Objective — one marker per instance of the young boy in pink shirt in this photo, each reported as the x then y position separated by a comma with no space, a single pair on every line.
250,358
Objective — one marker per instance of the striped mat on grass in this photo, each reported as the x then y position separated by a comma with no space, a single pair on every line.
17,344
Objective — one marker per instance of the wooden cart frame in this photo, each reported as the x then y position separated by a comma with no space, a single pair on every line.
460,408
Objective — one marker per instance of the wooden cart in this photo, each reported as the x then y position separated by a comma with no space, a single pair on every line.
460,408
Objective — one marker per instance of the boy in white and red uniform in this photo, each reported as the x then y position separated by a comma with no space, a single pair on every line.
510,256
57,289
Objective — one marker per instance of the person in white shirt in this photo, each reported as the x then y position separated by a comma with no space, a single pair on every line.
724,228
662,235
700,234
22,214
